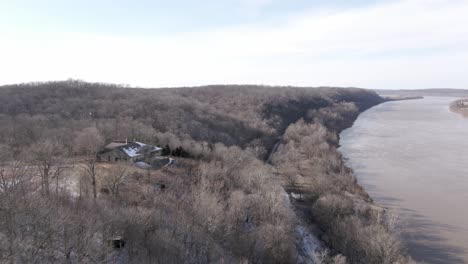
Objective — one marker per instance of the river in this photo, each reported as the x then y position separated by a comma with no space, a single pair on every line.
412,157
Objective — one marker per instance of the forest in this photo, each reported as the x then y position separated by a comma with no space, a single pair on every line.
259,164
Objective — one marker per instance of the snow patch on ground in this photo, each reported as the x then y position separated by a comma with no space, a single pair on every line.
308,245
143,165
71,185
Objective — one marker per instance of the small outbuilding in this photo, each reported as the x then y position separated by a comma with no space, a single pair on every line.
117,242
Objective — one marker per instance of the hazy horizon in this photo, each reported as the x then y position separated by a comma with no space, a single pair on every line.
126,85
374,44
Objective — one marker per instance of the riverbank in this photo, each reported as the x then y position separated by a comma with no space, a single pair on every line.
460,107
326,193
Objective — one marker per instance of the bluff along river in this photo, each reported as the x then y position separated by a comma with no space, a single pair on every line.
412,157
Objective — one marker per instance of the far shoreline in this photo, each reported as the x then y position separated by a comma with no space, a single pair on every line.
460,107
389,98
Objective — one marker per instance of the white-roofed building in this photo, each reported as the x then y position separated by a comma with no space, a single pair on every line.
132,151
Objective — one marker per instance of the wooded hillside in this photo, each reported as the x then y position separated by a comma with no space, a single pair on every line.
223,202
232,115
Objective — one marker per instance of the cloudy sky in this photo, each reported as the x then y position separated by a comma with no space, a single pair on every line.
393,44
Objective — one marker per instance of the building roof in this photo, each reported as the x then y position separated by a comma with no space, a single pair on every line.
133,149
115,144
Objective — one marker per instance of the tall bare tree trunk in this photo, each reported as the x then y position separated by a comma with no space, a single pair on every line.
46,180
92,175
94,187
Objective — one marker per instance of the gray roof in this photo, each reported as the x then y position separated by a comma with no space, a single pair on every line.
115,144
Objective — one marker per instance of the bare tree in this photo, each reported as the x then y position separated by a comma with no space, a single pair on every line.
88,142
90,172
14,177
114,178
47,156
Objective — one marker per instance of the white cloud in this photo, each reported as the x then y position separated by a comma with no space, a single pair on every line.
404,44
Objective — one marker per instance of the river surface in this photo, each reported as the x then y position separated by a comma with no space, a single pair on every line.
412,156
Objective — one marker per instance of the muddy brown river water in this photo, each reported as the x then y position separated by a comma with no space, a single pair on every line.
412,156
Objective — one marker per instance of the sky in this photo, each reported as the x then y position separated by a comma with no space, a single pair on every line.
379,44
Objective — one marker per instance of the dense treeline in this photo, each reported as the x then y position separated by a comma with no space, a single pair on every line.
232,115
222,202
